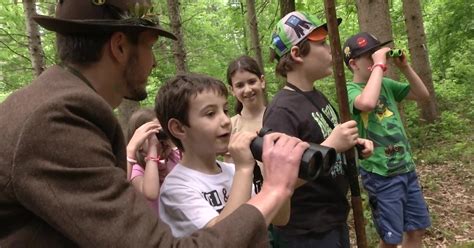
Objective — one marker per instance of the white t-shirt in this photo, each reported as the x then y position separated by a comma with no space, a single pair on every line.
189,199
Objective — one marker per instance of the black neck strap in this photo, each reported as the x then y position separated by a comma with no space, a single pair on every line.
312,101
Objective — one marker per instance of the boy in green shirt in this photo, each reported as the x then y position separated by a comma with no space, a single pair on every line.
389,174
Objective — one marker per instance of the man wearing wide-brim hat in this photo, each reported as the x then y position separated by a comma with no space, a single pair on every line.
62,151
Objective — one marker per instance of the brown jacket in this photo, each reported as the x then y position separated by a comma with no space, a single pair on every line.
62,178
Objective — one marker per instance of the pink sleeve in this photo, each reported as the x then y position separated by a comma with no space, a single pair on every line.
173,158
137,170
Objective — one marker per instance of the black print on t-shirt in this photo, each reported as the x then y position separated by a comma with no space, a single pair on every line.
224,192
213,198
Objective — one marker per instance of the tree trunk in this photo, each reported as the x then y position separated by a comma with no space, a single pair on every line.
286,6
374,17
125,110
254,37
244,28
34,39
419,56
178,45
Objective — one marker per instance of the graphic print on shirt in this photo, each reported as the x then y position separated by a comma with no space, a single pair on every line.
323,125
388,137
214,200
337,169
381,111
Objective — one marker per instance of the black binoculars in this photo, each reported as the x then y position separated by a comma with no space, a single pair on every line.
395,53
317,160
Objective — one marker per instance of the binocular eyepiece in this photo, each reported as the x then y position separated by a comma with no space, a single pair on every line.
395,53
317,160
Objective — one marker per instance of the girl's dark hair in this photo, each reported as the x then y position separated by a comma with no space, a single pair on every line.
244,63
285,63
138,118
174,97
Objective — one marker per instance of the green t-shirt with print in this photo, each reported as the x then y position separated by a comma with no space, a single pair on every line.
383,125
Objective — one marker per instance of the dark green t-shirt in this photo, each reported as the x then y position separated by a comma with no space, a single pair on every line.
384,127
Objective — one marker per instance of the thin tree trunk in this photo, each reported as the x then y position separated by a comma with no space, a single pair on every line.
34,38
178,45
254,37
125,110
287,6
244,28
419,56
374,17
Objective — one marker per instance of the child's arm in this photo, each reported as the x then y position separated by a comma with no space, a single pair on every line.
227,158
369,97
418,90
368,147
148,184
239,148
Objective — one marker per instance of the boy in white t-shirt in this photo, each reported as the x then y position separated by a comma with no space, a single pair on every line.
201,191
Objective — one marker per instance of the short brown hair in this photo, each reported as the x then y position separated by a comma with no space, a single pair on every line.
85,49
172,100
286,62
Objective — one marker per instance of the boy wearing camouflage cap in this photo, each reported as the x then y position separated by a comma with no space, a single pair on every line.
319,208
389,175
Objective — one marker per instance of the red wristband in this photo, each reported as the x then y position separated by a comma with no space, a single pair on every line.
384,67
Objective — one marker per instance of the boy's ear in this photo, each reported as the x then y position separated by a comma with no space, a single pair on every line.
295,54
176,128
352,64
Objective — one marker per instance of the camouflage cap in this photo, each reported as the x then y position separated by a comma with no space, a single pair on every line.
295,27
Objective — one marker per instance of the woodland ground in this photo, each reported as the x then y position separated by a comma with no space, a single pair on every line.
449,190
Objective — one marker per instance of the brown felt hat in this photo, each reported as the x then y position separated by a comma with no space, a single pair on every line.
99,16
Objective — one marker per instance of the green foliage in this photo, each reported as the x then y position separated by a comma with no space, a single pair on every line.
450,29
15,64
14,44
450,138
215,33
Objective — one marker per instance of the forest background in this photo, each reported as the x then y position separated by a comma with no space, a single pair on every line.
438,35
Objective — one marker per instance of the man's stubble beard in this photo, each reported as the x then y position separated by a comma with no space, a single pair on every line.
135,92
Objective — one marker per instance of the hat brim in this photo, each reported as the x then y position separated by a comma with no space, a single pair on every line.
316,35
373,49
63,26
325,25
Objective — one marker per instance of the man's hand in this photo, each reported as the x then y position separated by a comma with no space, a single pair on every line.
281,159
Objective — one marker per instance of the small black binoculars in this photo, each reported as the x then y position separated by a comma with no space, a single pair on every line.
161,135
395,53
317,160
